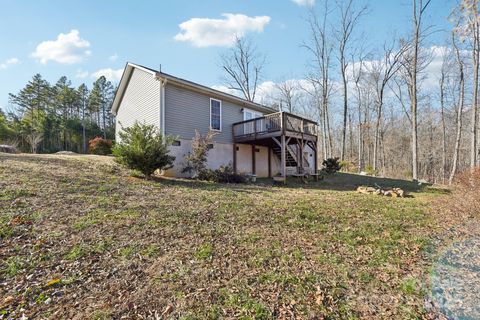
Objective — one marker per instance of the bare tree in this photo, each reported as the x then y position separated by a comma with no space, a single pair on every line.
458,109
321,48
442,80
381,72
475,57
244,67
361,92
315,94
288,93
357,77
471,29
349,18
34,138
418,11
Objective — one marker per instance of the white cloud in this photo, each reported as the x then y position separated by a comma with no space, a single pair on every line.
109,73
9,62
81,74
113,57
206,32
227,90
434,69
265,91
67,49
264,94
268,92
309,3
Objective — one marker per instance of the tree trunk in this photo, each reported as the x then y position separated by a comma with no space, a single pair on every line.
345,111
350,132
84,139
444,129
329,131
413,89
104,121
473,128
360,139
377,136
459,111
324,132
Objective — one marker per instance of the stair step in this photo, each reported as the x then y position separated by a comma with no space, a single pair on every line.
289,159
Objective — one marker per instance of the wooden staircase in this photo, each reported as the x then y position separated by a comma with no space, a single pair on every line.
290,159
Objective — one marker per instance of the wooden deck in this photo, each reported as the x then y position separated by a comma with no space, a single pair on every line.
275,125
278,131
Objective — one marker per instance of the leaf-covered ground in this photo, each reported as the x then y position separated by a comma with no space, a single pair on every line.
82,238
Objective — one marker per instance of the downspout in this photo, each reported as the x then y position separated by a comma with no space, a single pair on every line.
163,83
162,105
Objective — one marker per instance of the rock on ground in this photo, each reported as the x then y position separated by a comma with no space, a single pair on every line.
8,149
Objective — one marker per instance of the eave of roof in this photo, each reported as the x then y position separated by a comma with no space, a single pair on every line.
180,82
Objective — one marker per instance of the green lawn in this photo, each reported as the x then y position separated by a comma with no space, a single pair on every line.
79,236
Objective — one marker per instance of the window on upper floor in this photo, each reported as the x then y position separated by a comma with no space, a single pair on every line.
249,126
215,115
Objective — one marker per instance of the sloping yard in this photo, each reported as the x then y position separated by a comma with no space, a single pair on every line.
82,238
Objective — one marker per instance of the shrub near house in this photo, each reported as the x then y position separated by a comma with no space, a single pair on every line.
143,148
331,165
100,146
197,162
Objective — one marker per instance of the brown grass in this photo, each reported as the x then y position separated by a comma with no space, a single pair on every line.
466,194
82,238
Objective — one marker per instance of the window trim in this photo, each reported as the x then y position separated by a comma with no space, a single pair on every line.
211,128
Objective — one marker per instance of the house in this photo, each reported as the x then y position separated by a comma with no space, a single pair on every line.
253,138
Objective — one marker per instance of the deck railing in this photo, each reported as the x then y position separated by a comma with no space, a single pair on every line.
275,122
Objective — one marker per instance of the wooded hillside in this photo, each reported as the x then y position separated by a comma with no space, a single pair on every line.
48,118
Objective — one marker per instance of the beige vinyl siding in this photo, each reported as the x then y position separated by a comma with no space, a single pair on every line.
140,102
189,110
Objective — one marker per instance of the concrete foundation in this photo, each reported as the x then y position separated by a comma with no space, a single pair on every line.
222,154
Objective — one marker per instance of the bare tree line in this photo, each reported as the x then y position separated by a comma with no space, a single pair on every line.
378,109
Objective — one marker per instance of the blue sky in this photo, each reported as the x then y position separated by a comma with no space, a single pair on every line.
99,37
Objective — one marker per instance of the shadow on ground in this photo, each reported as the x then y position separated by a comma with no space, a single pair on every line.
339,181
347,182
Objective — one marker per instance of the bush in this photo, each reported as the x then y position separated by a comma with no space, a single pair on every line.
370,171
224,174
464,200
331,165
197,159
143,148
348,166
197,162
100,146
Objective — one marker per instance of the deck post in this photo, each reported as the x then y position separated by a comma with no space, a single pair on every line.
234,157
302,146
299,157
234,150
283,159
269,162
254,166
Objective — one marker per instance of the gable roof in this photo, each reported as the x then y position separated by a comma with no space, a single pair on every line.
129,67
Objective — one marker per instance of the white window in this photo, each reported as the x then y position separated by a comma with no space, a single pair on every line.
249,114
249,126
215,115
